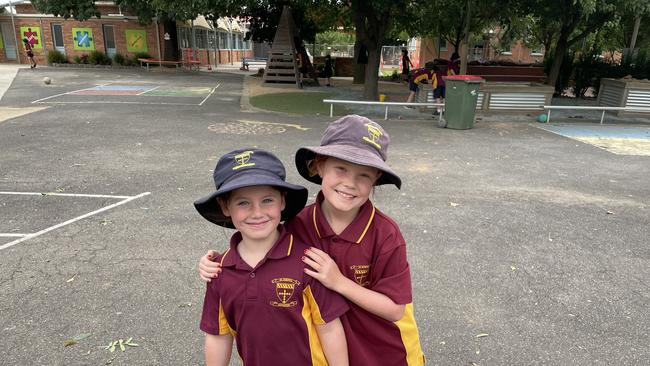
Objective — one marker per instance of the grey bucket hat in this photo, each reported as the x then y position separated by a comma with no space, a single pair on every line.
245,168
355,139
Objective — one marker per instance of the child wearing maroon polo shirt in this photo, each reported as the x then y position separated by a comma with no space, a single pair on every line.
277,313
358,251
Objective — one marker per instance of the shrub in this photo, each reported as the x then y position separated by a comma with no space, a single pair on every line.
141,55
83,59
118,59
98,58
56,57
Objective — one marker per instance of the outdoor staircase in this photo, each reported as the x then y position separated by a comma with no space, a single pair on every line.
282,66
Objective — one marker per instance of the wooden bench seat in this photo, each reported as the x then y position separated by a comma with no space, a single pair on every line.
145,62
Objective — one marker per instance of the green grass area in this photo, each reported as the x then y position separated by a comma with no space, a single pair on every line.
389,72
297,103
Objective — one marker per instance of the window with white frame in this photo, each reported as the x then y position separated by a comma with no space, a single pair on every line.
184,37
539,51
442,44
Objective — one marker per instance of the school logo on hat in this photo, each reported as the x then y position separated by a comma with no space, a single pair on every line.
374,134
242,160
284,289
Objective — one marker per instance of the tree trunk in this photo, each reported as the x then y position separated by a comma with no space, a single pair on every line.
558,58
370,88
464,50
359,72
635,33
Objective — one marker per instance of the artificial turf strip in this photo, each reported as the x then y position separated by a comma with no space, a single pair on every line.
297,103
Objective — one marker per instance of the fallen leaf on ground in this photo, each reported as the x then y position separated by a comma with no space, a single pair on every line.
74,340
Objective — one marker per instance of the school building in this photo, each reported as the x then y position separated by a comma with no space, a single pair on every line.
119,32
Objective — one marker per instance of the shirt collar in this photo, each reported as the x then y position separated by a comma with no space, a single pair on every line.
282,248
354,233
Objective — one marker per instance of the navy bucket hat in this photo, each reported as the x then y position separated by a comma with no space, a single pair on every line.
354,139
245,168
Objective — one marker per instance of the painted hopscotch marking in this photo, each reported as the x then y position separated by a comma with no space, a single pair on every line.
130,90
114,89
24,237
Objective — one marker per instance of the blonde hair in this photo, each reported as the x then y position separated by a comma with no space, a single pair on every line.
312,164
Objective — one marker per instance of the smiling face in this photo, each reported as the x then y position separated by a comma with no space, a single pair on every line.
346,186
255,211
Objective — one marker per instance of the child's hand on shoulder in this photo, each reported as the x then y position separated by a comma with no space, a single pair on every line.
208,269
324,270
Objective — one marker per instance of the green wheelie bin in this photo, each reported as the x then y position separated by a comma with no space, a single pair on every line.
460,100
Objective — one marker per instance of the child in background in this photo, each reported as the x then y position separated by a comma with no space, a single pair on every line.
406,64
29,50
328,70
427,75
263,298
358,251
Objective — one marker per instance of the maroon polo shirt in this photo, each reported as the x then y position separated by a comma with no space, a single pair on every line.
372,252
272,309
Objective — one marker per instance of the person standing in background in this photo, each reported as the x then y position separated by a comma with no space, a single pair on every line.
30,53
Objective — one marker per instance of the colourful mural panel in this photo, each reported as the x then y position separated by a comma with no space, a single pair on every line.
33,35
83,39
136,40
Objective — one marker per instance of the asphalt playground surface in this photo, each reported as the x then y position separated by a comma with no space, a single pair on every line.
526,246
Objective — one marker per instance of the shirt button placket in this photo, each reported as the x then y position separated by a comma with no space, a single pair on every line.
251,287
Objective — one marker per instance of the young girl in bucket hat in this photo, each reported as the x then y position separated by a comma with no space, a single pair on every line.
357,250
277,313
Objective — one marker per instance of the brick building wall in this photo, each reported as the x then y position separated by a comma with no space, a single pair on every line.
27,16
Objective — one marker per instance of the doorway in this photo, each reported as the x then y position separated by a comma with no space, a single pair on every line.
109,40
57,38
8,40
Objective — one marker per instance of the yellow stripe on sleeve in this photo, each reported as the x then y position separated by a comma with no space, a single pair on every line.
410,337
224,327
312,316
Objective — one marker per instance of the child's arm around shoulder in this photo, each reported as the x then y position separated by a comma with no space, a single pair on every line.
327,272
208,267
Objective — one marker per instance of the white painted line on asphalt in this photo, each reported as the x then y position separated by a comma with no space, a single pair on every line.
118,102
12,235
146,91
212,92
66,194
30,236
73,91
46,98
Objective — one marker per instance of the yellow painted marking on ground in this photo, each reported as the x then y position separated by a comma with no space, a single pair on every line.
619,145
298,127
7,113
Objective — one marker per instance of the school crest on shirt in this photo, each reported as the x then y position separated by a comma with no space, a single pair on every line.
284,290
361,274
